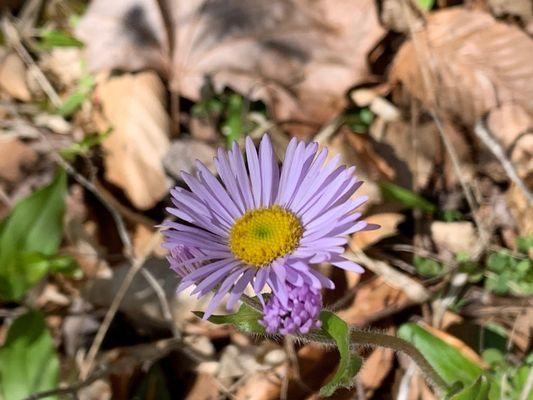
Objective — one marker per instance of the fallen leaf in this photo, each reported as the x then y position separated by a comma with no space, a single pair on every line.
409,150
473,63
521,210
205,387
182,156
14,156
13,77
298,56
512,126
388,223
522,9
454,237
133,107
374,299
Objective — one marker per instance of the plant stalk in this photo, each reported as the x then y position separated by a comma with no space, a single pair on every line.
403,346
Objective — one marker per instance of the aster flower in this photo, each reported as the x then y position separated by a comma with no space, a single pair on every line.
260,225
299,315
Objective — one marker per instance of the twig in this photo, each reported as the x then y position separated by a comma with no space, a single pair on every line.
483,133
15,41
414,290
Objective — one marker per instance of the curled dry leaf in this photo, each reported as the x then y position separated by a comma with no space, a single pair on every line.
299,56
133,107
471,62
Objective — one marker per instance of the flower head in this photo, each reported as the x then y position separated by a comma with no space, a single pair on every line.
300,314
263,226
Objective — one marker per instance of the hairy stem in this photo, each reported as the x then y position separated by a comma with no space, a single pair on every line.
403,346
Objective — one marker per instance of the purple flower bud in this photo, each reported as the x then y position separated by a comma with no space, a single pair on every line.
299,315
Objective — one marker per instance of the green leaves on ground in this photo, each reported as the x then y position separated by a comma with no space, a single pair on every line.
508,274
467,379
349,363
406,197
28,361
427,267
30,237
449,363
228,111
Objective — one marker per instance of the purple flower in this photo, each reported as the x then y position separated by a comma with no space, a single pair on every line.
263,226
298,315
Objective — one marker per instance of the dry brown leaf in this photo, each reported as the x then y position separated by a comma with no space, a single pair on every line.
454,237
300,56
522,9
409,150
13,77
512,126
372,300
14,155
388,223
521,210
473,63
133,107
205,387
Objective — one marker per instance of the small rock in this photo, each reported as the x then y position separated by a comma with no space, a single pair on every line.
275,357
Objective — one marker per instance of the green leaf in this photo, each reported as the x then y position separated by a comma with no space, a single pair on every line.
349,363
76,99
406,197
449,363
234,125
427,267
479,390
35,225
83,147
50,38
246,319
524,243
28,361
499,262
426,5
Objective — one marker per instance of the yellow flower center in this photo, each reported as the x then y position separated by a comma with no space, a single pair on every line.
264,234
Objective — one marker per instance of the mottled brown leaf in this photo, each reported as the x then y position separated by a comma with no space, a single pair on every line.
471,61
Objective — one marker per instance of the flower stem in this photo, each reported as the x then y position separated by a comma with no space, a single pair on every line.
403,346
